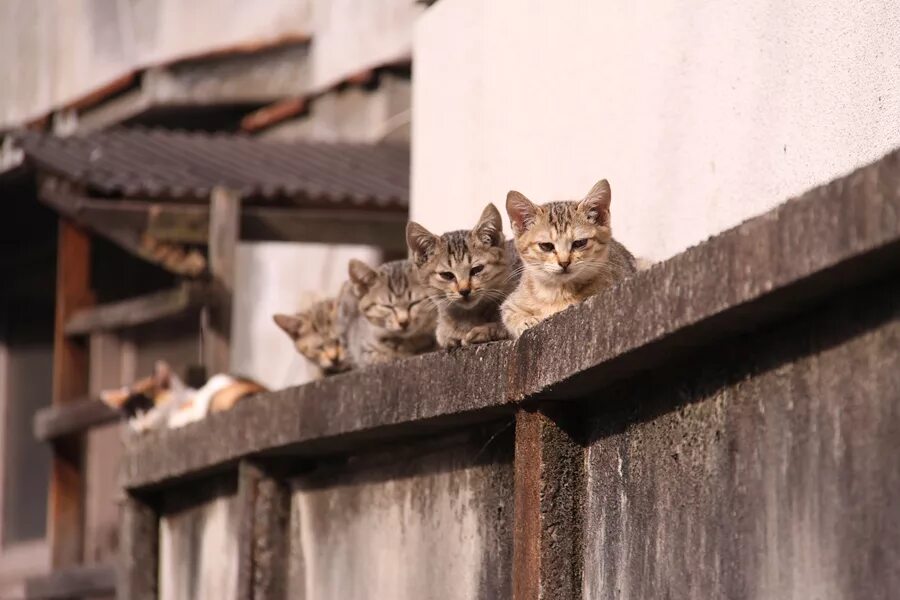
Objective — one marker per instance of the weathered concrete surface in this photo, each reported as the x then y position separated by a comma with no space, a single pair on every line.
198,547
138,552
830,237
764,469
835,236
549,488
263,538
430,521
410,397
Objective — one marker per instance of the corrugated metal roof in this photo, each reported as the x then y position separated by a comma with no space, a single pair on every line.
165,164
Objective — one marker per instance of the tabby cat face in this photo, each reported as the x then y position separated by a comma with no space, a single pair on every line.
316,336
563,241
391,297
463,267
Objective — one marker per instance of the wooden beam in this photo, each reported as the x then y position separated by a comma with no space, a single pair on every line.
123,228
75,582
273,113
70,382
189,223
149,308
384,230
549,481
224,232
75,417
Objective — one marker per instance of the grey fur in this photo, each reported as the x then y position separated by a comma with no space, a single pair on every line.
374,308
469,302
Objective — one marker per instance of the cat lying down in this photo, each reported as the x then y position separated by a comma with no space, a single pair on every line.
163,400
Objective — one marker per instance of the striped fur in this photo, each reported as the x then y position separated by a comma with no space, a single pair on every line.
469,274
317,336
392,316
568,254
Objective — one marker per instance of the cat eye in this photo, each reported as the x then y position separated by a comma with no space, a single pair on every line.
447,275
476,270
546,246
579,244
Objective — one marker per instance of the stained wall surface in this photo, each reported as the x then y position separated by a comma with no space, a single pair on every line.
761,470
198,546
414,523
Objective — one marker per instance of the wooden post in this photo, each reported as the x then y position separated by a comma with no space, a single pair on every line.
224,232
70,382
138,552
263,541
549,482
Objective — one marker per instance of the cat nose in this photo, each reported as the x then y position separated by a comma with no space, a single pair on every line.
464,292
565,264
403,323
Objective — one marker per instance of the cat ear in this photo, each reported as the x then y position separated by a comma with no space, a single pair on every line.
522,211
421,243
115,399
290,324
362,276
489,230
595,205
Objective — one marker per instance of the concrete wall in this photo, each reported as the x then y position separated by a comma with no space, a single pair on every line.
198,550
363,115
700,114
765,469
425,522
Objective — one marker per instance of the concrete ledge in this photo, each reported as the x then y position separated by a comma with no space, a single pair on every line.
833,237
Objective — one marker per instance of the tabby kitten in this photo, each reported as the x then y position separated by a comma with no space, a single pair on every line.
318,336
469,275
393,316
568,255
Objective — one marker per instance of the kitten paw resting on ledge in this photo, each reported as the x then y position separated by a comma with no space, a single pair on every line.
568,254
469,274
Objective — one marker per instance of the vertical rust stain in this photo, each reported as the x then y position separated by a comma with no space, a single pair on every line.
527,508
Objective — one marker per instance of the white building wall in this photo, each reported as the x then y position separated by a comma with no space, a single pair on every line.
701,114
278,277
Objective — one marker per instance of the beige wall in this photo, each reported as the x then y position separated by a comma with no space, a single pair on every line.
701,114
281,277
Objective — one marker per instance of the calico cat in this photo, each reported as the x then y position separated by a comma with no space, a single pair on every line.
568,254
392,316
163,400
469,274
318,335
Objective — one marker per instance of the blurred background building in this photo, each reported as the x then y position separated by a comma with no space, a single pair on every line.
449,103
296,72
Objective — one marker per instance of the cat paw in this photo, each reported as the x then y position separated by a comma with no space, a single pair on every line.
523,325
450,343
483,334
